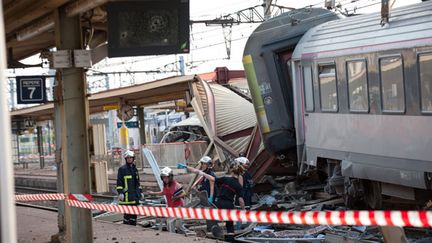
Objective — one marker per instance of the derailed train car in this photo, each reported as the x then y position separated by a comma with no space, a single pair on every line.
348,97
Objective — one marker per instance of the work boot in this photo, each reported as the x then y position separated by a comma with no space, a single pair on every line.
229,238
217,231
133,222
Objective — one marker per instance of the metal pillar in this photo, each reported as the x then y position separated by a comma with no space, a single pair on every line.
75,143
40,147
141,132
7,206
58,123
267,9
385,11
11,93
182,65
49,138
107,86
18,147
141,125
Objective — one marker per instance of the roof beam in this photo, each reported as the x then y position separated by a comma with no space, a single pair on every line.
38,27
31,12
237,134
157,99
23,49
15,6
82,6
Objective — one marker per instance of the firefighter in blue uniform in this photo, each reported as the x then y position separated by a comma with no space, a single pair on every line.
203,183
128,186
229,189
247,181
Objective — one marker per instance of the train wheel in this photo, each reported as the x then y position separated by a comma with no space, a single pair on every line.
353,193
373,197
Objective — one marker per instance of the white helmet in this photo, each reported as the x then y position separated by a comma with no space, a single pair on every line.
242,160
236,167
128,153
206,160
166,172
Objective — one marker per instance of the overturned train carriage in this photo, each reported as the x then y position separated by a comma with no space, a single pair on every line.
349,97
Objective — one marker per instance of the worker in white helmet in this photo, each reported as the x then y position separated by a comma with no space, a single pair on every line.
229,189
247,181
203,183
172,190
128,185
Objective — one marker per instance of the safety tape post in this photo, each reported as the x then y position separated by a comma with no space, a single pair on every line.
352,217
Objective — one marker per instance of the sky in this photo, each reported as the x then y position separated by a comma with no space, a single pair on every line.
208,49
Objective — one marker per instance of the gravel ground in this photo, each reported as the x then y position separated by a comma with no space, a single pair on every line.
36,225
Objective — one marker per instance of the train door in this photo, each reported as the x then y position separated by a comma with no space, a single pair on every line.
284,59
285,73
291,72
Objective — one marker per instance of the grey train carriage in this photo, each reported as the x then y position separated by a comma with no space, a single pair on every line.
348,97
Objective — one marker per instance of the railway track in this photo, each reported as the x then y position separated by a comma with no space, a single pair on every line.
29,205
34,190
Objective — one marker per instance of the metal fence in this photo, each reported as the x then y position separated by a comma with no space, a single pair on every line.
169,154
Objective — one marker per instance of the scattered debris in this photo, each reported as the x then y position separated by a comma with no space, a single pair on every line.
284,194
267,200
428,205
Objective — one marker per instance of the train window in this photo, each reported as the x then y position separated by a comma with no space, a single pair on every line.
392,84
358,86
308,88
328,87
425,61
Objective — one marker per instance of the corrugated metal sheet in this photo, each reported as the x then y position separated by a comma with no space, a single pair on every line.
239,144
233,113
406,24
202,96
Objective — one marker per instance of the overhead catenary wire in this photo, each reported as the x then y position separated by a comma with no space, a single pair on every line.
222,8
217,29
201,36
193,34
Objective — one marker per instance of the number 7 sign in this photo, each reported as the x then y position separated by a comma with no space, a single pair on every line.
31,89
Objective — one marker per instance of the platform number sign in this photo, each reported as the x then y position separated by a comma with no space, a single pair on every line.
31,89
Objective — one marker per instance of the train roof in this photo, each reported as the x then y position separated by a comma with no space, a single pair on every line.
409,26
292,24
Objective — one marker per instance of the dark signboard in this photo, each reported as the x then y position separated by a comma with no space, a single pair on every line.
31,89
137,28
128,124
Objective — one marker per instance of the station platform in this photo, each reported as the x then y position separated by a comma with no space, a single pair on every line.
34,177
35,225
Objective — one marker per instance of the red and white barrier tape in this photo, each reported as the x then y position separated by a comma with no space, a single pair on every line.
39,197
365,218
52,197
81,197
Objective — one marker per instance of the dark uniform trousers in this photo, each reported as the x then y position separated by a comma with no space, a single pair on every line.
227,204
130,219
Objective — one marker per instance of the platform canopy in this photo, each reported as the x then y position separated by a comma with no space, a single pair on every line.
29,25
149,93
